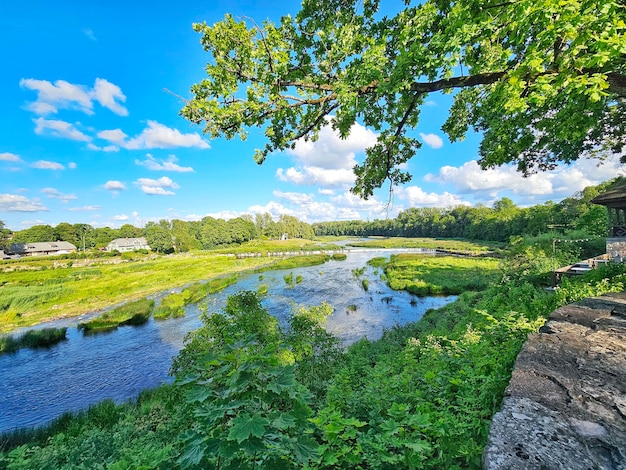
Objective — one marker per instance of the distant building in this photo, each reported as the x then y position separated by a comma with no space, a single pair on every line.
42,248
128,244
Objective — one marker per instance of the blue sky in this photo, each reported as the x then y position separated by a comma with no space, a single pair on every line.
90,134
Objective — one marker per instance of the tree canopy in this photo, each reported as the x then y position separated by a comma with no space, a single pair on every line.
543,80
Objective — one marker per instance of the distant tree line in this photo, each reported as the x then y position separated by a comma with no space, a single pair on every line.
166,236
497,223
501,222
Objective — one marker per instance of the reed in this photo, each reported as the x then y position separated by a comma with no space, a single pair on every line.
174,304
339,256
42,338
131,313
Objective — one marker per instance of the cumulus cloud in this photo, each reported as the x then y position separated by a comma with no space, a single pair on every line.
9,157
417,197
157,135
51,97
55,194
57,128
17,203
164,165
109,96
312,175
159,187
469,178
47,165
72,165
114,185
432,140
327,162
120,217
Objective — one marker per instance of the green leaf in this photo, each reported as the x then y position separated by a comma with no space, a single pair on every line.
305,449
192,453
246,426
418,446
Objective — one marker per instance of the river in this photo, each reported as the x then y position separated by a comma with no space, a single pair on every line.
38,385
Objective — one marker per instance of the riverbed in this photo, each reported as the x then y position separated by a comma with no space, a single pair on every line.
39,385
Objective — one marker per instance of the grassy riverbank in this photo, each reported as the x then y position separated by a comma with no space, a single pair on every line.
36,290
439,275
420,397
447,244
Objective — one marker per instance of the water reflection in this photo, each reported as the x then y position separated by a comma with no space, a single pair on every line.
39,385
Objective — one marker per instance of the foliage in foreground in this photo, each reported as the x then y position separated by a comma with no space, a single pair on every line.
251,395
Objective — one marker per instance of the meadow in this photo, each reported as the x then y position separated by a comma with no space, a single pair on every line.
40,289
461,246
439,275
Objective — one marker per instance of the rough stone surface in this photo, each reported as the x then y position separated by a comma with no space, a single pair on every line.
565,406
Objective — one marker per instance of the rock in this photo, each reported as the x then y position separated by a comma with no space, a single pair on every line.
565,406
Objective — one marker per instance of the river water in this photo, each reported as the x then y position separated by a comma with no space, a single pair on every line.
38,385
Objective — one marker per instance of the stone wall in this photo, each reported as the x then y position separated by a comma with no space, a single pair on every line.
616,247
565,406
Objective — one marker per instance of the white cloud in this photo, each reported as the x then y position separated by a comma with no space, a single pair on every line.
58,95
164,165
556,184
432,140
113,185
329,161
106,148
157,135
17,203
312,175
326,192
157,187
51,97
117,136
417,197
108,95
55,194
57,128
120,217
331,151
295,198
84,208
72,165
47,165
9,157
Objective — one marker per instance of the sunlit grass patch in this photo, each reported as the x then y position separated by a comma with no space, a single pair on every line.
131,313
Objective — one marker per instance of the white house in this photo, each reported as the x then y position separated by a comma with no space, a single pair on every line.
42,248
128,244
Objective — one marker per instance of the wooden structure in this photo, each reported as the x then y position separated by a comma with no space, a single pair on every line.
615,201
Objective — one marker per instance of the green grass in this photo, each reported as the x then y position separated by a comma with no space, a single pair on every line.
440,275
132,313
173,305
44,337
34,291
339,256
448,244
